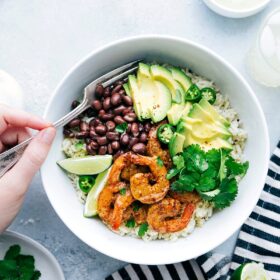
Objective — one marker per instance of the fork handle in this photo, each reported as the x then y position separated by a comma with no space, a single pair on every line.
10,157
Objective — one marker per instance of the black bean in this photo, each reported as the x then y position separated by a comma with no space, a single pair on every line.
107,117
90,150
84,126
130,117
101,113
107,92
81,135
102,150
143,137
68,132
116,99
141,127
87,140
122,92
132,142
93,134
109,149
110,125
147,127
95,122
119,120
75,104
106,103
96,104
127,100
117,88
94,145
99,90
139,148
101,129
90,112
124,139
128,130
74,123
135,129
113,136
119,110
115,145
101,140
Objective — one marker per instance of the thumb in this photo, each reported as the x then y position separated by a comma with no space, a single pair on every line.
34,155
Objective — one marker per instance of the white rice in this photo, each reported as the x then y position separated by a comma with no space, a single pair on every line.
204,209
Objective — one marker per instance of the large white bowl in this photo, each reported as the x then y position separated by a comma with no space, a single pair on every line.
223,224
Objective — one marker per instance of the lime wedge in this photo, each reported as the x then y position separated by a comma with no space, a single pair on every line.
90,209
87,165
250,271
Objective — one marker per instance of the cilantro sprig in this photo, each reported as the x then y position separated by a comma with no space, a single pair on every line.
18,267
212,174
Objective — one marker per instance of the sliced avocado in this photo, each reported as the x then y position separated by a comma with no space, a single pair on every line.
143,71
126,88
179,76
176,144
212,111
135,95
162,102
177,111
163,75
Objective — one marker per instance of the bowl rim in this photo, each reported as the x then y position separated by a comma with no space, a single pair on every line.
229,12
167,259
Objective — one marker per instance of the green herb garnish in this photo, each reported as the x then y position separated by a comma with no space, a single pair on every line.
123,191
15,266
130,223
121,128
159,162
79,145
212,174
143,229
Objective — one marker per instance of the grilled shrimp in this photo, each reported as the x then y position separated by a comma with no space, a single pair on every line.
132,169
186,197
154,148
169,215
140,183
139,215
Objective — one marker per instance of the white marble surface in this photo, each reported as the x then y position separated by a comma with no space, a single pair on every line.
41,40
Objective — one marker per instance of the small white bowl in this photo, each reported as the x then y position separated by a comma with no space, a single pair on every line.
163,49
234,13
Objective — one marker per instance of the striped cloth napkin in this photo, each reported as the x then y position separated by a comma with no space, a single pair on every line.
259,241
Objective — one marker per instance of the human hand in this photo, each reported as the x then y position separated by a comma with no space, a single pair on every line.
14,126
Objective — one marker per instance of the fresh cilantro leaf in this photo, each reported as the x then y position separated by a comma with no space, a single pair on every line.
123,191
223,169
121,128
213,157
159,162
206,184
143,229
172,173
79,145
184,185
130,223
7,266
12,252
236,169
179,161
36,275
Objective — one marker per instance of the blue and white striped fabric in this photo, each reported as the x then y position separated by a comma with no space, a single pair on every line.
259,241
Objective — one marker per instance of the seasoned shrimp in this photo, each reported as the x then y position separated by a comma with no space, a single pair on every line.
132,169
140,183
169,215
186,197
154,148
139,215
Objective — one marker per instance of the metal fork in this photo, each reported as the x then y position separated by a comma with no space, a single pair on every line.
10,157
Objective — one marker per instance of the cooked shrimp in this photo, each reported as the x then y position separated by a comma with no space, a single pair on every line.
169,215
132,169
186,197
140,183
139,215
123,201
154,148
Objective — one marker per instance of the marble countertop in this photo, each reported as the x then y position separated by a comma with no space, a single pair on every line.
41,40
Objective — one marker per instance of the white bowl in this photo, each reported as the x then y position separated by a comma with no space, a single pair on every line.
234,13
223,224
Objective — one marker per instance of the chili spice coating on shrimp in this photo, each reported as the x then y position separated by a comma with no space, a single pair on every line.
140,184
169,215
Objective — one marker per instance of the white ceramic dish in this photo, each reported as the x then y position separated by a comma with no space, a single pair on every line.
45,262
223,224
234,13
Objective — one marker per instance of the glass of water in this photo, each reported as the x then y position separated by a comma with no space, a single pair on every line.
263,59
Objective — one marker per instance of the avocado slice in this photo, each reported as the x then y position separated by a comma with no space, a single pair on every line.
126,89
179,76
135,95
143,71
177,111
206,106
162,102
176,144
163,75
